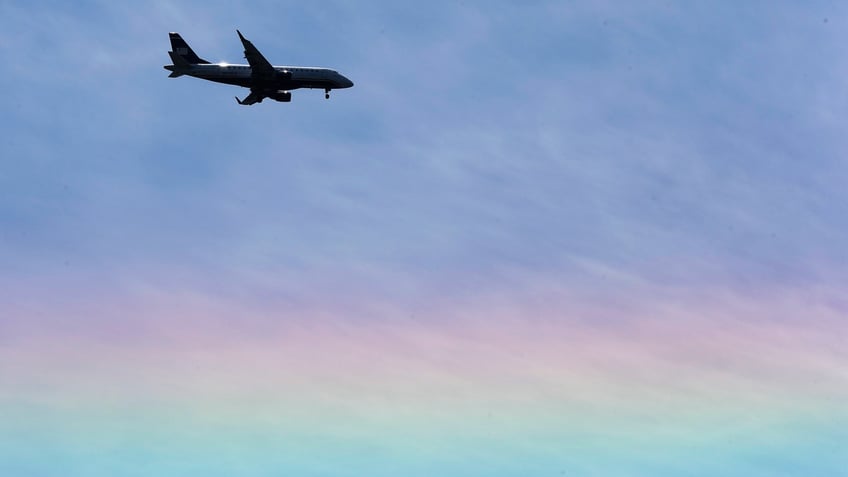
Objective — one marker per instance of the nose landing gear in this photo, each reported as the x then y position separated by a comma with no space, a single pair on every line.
327,94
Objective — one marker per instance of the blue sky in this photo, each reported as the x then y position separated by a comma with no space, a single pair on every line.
501,135
487,150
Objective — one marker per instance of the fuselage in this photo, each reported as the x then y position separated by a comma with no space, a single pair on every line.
264,79
288,77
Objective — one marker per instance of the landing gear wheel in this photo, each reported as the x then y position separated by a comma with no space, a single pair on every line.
326,94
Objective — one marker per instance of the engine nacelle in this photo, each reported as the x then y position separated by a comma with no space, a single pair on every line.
281,96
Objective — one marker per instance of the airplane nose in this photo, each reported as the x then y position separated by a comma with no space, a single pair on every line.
347,83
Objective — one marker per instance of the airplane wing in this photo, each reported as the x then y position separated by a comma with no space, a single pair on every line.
260,67
253,98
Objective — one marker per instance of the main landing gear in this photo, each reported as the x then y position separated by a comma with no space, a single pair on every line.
326,94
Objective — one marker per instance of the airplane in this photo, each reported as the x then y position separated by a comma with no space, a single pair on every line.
263,79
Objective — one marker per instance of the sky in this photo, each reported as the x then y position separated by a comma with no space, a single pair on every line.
541,238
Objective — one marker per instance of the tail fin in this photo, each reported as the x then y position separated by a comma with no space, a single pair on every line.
180,66
179,61
181,49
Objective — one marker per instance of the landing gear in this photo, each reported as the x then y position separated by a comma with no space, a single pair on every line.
326,94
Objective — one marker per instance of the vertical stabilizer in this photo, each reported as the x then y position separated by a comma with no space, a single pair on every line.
181,48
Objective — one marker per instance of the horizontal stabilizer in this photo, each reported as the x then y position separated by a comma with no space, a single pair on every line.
175,74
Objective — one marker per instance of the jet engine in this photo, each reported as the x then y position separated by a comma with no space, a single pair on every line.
281,96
